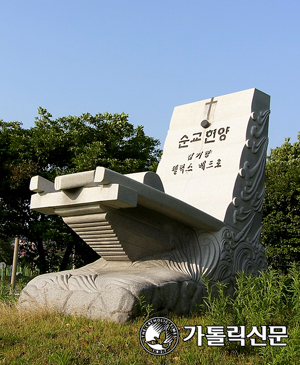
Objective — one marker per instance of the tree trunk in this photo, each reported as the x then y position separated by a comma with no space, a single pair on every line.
65,260
42,264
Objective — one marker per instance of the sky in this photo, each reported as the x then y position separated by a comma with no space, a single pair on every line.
146,57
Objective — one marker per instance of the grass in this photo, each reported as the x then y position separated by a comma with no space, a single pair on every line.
51,338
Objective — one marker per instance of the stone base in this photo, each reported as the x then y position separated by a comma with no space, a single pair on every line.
111,290
170,282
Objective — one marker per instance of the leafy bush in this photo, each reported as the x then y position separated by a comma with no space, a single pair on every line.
281,211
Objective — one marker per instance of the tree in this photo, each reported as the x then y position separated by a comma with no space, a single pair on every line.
6,251
281,212
56,147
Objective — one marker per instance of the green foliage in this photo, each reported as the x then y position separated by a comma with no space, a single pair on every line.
264,299
4,292
51,338
289,354
6,250
144,309
271,298
56,147
7,294
72,144
217,302
281,212
62,357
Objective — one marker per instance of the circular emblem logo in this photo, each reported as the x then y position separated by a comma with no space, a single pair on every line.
159,336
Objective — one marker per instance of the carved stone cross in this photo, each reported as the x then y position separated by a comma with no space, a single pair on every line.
210,103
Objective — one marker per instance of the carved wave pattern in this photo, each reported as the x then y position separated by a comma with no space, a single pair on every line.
216,258
62,281
83,282
194,255
240,254
225,266
249,200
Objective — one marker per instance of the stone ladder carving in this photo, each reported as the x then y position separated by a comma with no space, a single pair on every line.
96,231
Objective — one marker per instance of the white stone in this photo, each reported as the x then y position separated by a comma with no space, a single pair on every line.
209,188
159,234
77,180
39,184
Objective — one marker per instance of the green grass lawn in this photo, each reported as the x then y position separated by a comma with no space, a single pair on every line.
51,338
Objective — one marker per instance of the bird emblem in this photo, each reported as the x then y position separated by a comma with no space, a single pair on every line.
163,338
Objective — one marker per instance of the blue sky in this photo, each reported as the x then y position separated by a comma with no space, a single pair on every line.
146,57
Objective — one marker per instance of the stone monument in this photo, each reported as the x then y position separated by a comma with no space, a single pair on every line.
159,234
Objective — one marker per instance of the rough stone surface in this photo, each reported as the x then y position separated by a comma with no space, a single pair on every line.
111,292
159,234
